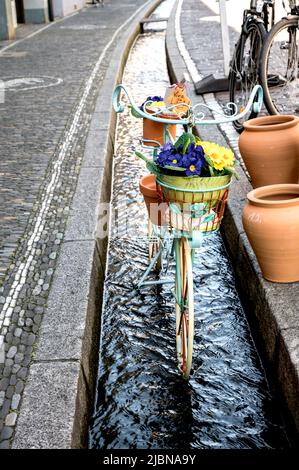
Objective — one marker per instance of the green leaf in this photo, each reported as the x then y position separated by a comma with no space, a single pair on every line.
186,144
183,138
152,166
176,168
134,113
211,170
231,171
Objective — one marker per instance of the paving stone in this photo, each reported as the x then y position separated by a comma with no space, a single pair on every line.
6,433
19,386
4,382
18,358
11,419
22,373
5,408
5,445
10,391
7,371
31,339
12,352
15,401
15,368
9,362
2,396
13,379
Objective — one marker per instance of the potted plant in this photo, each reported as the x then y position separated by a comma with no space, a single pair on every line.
174,106
188,172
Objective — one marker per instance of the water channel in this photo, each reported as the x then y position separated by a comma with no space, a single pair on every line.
142,401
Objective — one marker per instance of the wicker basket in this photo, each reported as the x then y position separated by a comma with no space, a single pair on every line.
196,203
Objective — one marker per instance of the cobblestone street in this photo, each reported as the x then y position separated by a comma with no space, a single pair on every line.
87,359
52,80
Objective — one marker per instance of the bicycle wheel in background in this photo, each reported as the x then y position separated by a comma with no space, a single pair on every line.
184,306
279,68
244,69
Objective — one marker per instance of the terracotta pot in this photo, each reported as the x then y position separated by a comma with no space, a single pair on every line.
155,207
153,130
271,222
269,147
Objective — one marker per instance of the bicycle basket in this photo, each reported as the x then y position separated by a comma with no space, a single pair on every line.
195,203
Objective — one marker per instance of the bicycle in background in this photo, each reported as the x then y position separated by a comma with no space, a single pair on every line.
279,64
245,64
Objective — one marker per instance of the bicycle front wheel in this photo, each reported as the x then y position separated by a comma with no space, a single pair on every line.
279,68
184,306
244,70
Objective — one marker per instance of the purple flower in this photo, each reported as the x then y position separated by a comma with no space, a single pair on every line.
192,160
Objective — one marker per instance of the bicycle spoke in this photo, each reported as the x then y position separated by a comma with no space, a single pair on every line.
280,68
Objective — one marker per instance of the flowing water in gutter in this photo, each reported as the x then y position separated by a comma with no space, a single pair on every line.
142,401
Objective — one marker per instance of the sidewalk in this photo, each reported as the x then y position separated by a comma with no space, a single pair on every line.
53,80
195,48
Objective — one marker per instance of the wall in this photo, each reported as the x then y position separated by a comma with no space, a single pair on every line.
36,11
7,30
66,7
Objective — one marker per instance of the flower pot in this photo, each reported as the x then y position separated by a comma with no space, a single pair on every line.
269,147
154,131
155,207
193,183
199,203
271,222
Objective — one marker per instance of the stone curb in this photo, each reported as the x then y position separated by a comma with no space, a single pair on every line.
59,393
271,309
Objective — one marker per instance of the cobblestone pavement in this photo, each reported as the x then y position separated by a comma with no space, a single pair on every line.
52,80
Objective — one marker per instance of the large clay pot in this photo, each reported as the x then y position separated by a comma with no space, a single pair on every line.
154,131
271,222
269,147
155,207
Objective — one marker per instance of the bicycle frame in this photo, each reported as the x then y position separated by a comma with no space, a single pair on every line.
259,9
205,209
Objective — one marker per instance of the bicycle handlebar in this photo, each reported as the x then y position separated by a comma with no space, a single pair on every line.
194,117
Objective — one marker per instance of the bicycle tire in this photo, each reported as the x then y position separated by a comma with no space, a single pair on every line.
256,34
272,104
184,306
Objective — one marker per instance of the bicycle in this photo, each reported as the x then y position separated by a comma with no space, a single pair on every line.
186,217
279,64
245,63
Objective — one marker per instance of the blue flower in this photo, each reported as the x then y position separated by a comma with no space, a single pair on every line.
192,160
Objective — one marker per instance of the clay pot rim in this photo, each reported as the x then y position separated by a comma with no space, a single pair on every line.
280,121
146,190
255,196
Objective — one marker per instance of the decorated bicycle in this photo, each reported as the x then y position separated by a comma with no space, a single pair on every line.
185,192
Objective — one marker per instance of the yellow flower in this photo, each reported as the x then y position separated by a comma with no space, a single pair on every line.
221,157
156,104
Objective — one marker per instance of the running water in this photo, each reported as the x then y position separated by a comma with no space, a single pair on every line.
142,401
